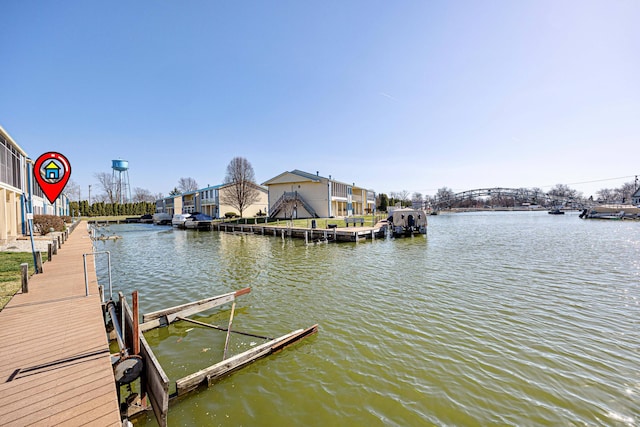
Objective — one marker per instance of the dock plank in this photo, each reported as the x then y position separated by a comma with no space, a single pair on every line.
55,367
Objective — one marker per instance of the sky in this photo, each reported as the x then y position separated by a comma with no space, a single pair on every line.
391,96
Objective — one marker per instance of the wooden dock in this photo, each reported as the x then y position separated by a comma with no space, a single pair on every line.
55,367
311,235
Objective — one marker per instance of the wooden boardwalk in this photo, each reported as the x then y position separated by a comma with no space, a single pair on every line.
55,367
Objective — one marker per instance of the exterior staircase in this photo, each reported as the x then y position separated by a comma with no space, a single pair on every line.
287,199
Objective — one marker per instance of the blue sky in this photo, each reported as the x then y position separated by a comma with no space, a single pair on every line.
409,95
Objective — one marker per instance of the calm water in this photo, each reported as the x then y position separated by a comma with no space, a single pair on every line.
492,319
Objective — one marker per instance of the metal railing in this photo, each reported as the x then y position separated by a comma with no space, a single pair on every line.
86,278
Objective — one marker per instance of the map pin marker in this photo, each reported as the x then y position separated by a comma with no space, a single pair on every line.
52,171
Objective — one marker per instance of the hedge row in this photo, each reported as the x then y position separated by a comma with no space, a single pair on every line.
44,223
111,209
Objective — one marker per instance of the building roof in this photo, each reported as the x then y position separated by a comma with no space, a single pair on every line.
306,176
15,144
210,187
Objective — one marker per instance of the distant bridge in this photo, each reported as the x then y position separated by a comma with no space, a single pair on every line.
503,195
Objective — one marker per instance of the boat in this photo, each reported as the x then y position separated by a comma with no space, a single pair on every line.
161,218
179,220
556,211
407,222
199,221
611,212
146,219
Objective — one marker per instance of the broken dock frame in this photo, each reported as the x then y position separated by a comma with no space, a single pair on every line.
155,383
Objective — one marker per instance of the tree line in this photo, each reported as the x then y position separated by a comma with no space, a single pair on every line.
404,198
241,192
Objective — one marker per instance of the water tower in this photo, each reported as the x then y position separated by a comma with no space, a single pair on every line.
120,179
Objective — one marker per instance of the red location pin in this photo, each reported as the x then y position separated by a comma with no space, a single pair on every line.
52,171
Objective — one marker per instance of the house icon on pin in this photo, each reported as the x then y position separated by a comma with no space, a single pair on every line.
52,171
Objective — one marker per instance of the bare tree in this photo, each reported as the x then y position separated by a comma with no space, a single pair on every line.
242,191
626,192
444,196
562,190
404,197
142,195
72,189
288,208
187,184
605,195
417,200
107,185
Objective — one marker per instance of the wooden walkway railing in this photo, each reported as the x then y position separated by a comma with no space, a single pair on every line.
54,359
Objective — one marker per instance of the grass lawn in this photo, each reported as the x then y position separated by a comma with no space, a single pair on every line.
10,281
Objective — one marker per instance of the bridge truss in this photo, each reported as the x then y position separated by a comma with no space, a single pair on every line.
518,197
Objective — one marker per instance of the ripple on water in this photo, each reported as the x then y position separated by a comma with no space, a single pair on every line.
505,319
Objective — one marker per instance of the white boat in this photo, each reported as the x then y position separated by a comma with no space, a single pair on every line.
407,221
161,218
199,221
179,220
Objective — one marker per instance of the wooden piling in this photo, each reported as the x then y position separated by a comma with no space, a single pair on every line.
24,273
49,252
226,342
54,247
39,262
135,323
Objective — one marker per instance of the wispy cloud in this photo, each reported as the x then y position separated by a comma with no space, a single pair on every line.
386,95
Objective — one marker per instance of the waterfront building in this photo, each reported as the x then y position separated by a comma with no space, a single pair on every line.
16,183
209,201
635,197
299,194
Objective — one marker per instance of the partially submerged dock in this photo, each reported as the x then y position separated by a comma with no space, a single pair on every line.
138,362
55,367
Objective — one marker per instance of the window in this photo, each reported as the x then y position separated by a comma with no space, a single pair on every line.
11,162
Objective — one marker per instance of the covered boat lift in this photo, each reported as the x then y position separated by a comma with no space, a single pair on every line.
407,222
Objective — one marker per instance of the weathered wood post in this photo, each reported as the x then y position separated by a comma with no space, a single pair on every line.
49,251
136,324
59,241
54,244
39,262
24,273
